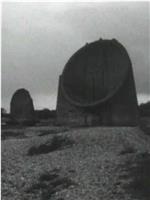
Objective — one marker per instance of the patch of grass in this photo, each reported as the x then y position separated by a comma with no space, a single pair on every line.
57,143
138,171
49,184
53,131
11,134
127,150
47,132
145,125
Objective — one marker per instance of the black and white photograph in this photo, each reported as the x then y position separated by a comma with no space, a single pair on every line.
75,100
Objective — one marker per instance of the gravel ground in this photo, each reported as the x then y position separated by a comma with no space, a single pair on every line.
78,164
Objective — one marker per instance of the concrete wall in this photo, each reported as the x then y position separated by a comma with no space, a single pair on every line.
120,110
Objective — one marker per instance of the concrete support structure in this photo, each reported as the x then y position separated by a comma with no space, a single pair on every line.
97,87
21,107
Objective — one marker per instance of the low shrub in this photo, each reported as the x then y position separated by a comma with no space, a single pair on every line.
57,143
49,184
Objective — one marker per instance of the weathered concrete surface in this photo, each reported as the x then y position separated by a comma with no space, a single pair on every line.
21,107
97,87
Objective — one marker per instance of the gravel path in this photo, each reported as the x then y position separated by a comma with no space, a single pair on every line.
79,164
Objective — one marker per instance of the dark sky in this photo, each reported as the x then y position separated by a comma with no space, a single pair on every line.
39,38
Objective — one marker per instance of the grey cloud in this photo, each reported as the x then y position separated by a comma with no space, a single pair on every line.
39,38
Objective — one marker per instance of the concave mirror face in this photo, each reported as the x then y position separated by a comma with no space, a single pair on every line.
95,72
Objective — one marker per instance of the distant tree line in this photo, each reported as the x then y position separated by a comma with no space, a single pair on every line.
39,114
45,114
4,113
144,109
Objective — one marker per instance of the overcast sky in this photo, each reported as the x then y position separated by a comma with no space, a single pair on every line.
39,38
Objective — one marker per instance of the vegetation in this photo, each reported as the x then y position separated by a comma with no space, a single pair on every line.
138,171
144,109
12,134
57,143
50,183
45,114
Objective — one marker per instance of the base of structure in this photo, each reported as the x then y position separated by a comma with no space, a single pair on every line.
120,110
